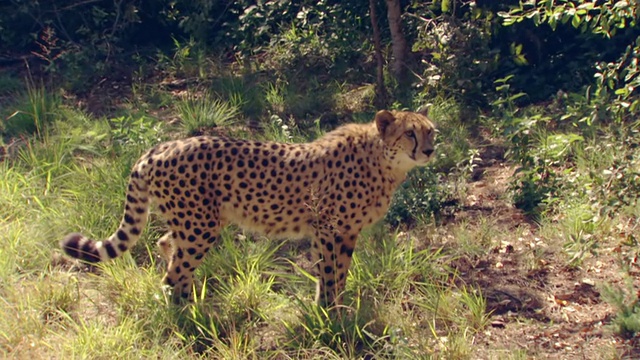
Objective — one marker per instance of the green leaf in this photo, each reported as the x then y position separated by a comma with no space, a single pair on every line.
516,96
536,18
520,60
621,91
576,21
586,6
621,5
445,6
504,79
517,49
532,14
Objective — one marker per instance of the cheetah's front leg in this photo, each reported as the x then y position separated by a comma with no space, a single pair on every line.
332,254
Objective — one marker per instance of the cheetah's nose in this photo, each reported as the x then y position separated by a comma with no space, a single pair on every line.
428,152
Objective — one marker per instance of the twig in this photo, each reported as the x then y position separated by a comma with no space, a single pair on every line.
68,7
118,13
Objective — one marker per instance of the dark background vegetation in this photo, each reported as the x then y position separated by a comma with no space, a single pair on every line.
466,41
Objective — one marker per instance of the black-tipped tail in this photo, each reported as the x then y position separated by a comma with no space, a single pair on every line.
80,247
135,217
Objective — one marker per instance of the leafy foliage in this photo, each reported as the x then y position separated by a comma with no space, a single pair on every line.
418,198
604,17
547,156
457,50
616,81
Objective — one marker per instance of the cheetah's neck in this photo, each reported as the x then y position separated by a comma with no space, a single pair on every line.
366,137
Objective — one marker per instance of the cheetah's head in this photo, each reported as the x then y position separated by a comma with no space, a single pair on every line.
408,137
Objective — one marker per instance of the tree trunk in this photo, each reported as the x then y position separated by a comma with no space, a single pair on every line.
398,42
380,100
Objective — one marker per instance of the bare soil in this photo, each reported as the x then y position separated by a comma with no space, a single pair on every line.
539,305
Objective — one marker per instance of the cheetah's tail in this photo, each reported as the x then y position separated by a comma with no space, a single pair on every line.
134,220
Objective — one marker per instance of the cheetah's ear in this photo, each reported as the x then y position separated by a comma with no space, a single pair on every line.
384,118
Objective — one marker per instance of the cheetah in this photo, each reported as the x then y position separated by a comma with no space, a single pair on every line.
326,190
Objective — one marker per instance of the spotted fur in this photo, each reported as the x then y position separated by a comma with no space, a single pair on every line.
326,190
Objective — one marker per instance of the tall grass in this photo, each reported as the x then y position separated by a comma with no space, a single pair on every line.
202,111
36,110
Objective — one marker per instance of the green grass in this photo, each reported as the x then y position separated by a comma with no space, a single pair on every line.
35,109
242,92
588,182
202,111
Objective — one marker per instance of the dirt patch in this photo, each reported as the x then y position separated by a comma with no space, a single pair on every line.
539,306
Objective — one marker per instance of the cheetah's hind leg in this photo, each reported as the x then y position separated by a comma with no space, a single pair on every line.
188,249
165,247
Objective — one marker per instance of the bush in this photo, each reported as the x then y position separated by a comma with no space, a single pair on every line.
627,304
418,198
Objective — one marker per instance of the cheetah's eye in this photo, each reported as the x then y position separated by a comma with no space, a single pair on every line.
410,134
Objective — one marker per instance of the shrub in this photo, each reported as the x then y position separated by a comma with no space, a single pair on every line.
418,198
627,305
